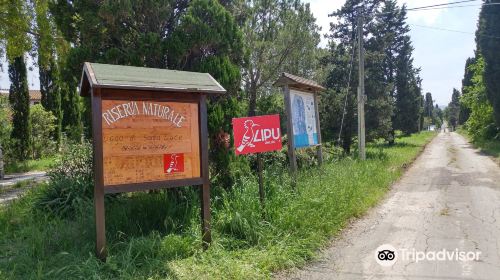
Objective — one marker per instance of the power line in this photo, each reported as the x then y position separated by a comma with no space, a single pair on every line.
460,6
444,4
348,84
452,30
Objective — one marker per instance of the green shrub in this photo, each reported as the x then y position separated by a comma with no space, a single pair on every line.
43,125
71,182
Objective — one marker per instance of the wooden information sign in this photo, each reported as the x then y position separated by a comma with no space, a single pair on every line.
149,131
147,141
301,106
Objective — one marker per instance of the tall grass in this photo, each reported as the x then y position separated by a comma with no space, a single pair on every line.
157,235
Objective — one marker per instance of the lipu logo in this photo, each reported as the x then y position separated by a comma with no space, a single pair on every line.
248,137
257,134
173,163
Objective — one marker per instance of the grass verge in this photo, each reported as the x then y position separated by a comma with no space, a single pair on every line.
19,185
157,235
490,147
29,165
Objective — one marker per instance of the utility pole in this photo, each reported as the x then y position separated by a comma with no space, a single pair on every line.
361,91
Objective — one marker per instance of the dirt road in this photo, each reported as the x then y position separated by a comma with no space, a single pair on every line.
7,193
448,201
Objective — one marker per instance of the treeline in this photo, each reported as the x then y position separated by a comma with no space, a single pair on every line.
393,84
244,44
478,105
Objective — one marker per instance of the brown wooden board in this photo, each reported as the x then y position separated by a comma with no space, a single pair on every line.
148,140
135,141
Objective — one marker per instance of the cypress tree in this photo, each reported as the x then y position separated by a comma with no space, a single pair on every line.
17,17
51,97
454,109
20,102
466,83
408,91
72,123
342,35
488,45
429,105
390,30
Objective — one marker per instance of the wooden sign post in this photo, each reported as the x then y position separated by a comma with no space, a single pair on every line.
149,131
256,135
301,106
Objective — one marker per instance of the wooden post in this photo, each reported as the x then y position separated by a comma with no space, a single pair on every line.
261,182
98,176
318,129
289,131
361,92
205,188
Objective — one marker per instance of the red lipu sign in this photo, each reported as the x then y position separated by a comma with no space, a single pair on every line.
257,134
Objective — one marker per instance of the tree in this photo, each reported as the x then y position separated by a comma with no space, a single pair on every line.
20,102
438,116
390,80
337,102
49,86
429,105
43,125
408,91
15,25
117,32
383,49
216,48
342,35
198,35
280,36
481,123
488,45
454,109
466,83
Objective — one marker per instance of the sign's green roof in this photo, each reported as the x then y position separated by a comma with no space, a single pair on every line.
130,77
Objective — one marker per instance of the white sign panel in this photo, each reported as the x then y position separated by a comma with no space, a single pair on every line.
305,133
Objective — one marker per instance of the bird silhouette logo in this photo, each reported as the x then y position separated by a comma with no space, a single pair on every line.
174,163
248,137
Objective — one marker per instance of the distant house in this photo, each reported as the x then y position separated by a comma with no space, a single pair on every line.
35,95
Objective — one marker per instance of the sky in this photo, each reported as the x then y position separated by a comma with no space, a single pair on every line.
440,54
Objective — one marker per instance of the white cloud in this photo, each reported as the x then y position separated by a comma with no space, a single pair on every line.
321,9
427,17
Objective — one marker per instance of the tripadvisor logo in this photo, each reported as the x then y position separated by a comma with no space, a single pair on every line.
386,255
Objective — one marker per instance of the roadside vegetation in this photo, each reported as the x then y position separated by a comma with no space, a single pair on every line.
476,109
488,146
49,233
42,164
17,186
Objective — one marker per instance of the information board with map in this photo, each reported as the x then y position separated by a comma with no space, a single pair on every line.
303,113
147,141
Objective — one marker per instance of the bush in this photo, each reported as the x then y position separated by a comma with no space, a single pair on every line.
43,124
70,184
